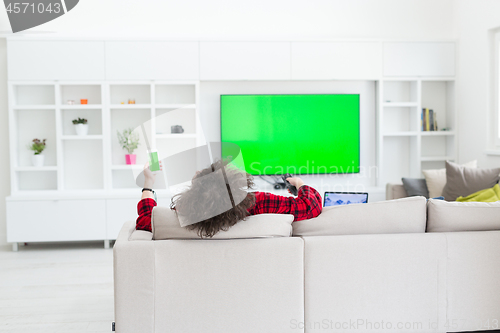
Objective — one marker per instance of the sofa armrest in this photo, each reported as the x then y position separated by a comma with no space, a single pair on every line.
128,233
127,229
134,267
395,191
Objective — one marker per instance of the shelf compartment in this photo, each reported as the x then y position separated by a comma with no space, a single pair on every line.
175,106
83,164
402,134
439,96
82,137
437,133
400,92
169,147
35,107
399,159
34,95
175,94
39,124
175,136
32,168
81,106
166,118
400,119
130,106
400,104
76,92
37,180
141,93
435,148
122,119
94,117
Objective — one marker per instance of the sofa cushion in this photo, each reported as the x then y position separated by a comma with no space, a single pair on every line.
443,216
415,187
436,179
166,225
462,181
404,215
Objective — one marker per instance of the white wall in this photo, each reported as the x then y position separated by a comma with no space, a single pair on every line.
473,19
262,19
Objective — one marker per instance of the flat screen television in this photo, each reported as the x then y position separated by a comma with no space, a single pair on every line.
297,134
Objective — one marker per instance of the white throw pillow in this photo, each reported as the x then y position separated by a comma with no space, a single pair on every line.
445,216
406,215
436,179
166,225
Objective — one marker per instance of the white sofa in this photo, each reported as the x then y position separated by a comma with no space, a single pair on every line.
407,281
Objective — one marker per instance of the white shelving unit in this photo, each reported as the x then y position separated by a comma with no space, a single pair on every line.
95,161
89,171
404,150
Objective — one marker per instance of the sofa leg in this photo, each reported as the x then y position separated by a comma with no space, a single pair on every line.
15,247
106,243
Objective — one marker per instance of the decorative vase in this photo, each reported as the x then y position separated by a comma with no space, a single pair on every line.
37,160
130,158
82,129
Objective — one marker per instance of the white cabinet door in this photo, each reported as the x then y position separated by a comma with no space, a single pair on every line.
55,60
245,61
119,211
150,60
419,59
336,60
55,220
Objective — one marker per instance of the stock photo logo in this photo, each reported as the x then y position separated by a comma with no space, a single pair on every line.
27,14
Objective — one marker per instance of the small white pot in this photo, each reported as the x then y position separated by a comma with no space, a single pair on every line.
81,129
38,160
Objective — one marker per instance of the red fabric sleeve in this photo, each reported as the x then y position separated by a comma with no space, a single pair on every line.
144,209
306,205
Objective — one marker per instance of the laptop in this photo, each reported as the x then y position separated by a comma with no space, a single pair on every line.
344,198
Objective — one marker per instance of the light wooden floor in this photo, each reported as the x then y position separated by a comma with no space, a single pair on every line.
56,288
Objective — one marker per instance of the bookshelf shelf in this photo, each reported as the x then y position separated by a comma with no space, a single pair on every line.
80,106
400,104
176,136
404,150
130,106
175,106
401,134
78,137
437,133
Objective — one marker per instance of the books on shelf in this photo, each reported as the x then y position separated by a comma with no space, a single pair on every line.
428,120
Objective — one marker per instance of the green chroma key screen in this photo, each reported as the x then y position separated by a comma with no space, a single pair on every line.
298,134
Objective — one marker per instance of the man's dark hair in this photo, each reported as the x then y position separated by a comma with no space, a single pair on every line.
210,189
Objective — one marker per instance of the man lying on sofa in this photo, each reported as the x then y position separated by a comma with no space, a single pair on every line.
199,206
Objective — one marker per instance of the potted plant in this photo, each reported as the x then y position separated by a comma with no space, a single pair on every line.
129,140
37,147
81,126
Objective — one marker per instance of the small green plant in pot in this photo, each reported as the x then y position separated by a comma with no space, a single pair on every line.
81,126
37,147
129,140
